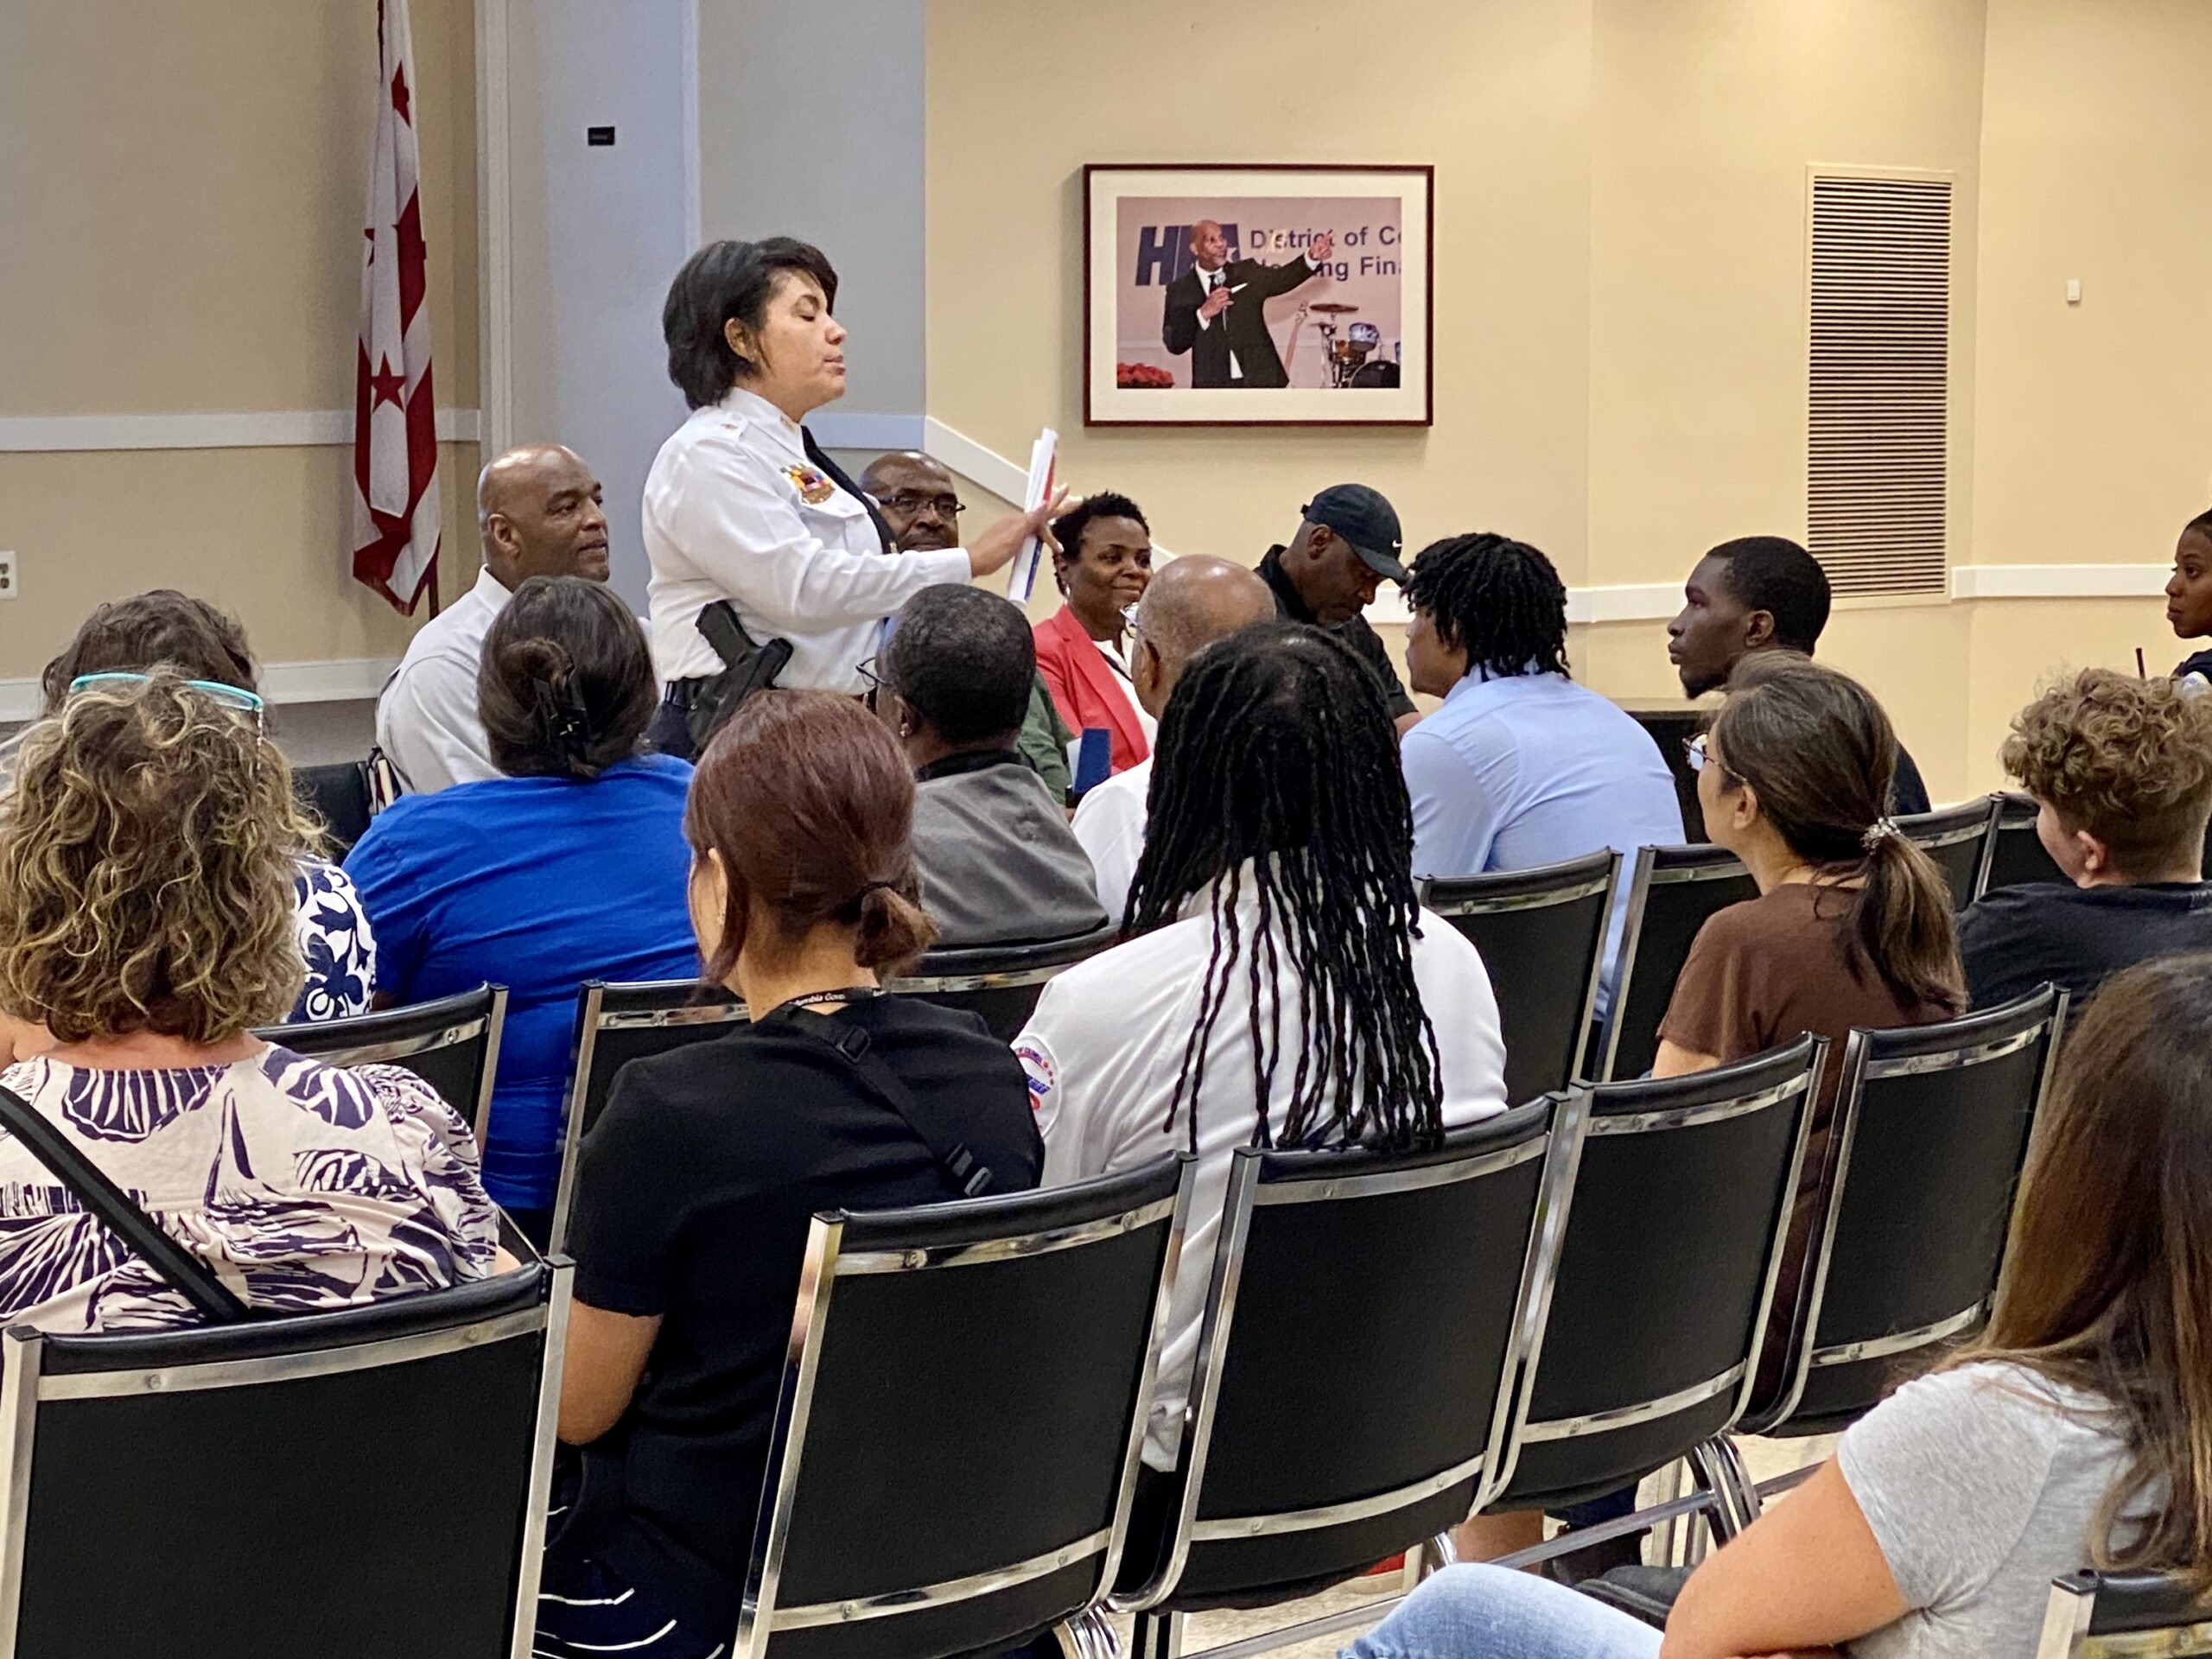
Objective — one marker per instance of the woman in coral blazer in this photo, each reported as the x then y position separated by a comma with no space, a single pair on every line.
1103,565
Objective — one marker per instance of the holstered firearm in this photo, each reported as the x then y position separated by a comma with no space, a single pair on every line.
748,666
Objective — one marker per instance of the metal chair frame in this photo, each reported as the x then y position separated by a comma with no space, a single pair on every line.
1701,862
25,1389
647,1004
1859,1069
462,1016
952,970
1545,888
1950,826
1161,1635
826,1262
1743,1376
2070,1614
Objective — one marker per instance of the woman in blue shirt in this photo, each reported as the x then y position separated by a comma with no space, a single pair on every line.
570,868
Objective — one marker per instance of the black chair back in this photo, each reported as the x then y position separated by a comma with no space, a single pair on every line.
452,1044
1681,1212
1673,892
350,1485
1001,982
1351,1392
957,1437
1541,934
2016,855
1958,838
2123,1615
1932,1126
340,797
616,1024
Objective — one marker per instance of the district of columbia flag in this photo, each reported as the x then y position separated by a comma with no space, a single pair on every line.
395,522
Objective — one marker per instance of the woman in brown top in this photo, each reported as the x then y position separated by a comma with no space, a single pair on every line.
1852,924
1853,927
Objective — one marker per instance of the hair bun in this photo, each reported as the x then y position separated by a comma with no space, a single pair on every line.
535,657
892,929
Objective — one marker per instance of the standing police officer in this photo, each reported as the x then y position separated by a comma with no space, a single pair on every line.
741,506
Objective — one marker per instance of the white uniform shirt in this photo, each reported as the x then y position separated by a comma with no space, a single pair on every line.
1105,1046
426,720
1109,825
735,510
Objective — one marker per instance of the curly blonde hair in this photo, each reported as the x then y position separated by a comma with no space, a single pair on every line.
2129,760
147,856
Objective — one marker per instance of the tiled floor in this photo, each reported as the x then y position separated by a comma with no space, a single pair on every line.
1766,1458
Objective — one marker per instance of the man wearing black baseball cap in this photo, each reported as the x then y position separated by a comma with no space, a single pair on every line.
1347,543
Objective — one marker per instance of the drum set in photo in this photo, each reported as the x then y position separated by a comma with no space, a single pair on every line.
1353,350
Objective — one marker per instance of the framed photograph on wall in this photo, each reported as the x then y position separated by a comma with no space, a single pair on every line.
1221,294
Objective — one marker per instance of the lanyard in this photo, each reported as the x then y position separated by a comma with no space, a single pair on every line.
843,998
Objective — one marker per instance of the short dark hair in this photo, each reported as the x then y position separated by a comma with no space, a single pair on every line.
1499,599
2201,525
1774,575
964,659
132,635
565,687
1068,528
725,280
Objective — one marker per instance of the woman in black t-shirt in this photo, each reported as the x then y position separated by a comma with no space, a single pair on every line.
697,1186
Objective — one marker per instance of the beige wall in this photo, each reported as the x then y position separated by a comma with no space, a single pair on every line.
1621,229
181,191
1007,138
2095,420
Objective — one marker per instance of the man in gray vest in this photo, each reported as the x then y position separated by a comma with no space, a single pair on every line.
998,863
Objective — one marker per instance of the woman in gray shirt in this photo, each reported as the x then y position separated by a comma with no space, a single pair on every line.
2074,1433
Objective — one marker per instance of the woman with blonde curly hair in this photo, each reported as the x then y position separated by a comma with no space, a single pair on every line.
129,636
147,850
2122,771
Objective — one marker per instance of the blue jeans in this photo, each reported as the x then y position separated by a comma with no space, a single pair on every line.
1479,1611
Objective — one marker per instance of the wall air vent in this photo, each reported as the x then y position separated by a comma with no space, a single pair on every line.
1878,432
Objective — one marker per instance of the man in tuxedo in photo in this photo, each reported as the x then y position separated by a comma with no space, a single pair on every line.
1214,310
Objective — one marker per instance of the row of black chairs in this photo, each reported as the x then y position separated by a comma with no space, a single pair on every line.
1548,1307
1543,932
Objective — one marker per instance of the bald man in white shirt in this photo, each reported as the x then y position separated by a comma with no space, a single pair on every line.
1190,603
538,510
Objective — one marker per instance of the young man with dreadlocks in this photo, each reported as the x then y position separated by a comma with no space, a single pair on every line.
1521,767
1280,980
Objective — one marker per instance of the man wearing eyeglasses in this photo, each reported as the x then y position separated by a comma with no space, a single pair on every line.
918,502
538,510
917,499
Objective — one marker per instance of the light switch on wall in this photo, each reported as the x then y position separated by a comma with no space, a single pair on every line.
2072,290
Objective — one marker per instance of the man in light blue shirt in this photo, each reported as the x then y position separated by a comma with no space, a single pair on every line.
1521,766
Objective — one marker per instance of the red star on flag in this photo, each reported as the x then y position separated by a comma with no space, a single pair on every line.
386,386
399,94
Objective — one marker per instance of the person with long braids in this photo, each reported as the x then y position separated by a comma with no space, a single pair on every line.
1521,767
1280,987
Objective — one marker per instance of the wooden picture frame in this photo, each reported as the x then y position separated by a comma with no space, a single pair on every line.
1344,339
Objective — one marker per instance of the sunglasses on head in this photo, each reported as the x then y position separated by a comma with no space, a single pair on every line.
237,699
